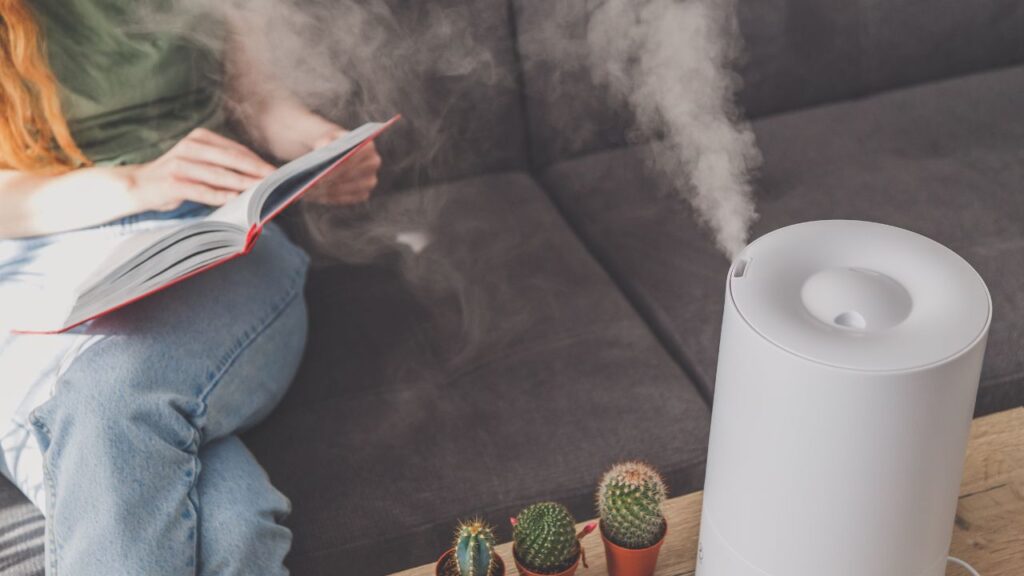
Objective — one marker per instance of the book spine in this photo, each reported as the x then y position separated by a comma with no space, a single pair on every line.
251,236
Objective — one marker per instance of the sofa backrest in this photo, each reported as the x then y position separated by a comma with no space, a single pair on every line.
807,52
798,53
450,67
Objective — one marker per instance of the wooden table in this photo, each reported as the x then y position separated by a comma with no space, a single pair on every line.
989,531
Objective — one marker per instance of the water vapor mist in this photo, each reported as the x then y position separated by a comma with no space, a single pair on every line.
359,60
669,59
436,63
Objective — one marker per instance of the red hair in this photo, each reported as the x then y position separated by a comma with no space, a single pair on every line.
34,134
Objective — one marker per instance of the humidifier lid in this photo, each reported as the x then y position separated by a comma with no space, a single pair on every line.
859,295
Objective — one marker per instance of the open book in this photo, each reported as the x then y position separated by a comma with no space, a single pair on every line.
150,261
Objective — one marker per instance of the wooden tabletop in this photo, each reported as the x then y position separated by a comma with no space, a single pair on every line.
989,531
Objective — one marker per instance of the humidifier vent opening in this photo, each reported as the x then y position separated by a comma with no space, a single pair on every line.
851,319
855,298
741,268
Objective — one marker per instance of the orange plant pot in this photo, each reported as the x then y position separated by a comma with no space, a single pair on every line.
629,561
527,572
442,562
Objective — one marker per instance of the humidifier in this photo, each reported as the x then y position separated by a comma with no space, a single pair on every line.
847,375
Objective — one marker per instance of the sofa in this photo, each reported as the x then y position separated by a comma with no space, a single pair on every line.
528,300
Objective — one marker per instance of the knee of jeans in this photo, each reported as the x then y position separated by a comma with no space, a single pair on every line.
109,394
258,380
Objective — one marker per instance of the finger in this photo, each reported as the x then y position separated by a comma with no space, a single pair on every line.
344,201
329,137
367,154
203,194
367,181
357,189
361,164
214,176
354,174
344,181
243,161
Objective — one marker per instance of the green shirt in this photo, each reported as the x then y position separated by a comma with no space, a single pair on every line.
128,92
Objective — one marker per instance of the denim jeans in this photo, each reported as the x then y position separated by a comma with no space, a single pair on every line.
124,432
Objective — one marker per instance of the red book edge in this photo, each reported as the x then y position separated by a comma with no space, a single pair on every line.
250,237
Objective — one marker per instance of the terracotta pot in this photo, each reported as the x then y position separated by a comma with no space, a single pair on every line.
527,572
446,557
629,561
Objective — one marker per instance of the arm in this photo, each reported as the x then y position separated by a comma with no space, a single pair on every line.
203,167
36,204
280,124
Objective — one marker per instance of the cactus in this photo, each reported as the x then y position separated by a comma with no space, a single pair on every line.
545,538
474,550
629,502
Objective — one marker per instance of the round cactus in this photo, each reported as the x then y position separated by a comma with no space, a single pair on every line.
545,538
629,502
474,550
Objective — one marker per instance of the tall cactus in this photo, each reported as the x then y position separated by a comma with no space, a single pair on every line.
629,501
474,550
545,538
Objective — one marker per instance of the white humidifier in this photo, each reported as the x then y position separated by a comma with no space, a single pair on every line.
847,376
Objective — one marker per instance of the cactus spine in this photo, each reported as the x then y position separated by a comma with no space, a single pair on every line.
545,538
474,550
629,501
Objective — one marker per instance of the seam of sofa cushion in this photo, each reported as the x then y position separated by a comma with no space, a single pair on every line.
1010,385
518,352
647,313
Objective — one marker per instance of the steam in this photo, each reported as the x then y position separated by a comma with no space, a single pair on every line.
358,60
669,59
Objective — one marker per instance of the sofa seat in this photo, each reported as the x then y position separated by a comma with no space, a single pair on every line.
21,534
944,159
510,369
497,367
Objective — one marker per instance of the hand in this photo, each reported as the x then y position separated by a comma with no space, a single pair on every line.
287,129
354,180
203,167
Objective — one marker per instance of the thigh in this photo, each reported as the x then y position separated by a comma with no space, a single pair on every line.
220,347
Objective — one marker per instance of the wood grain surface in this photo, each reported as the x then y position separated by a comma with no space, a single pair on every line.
989,531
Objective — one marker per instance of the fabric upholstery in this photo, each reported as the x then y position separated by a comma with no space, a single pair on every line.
414,409
943,159
448,66
568,113
507,361
21,534
798,53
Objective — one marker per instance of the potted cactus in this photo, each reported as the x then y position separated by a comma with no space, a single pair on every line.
633,527
472,553
546,542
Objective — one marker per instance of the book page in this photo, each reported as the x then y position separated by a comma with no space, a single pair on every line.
236,211
293,178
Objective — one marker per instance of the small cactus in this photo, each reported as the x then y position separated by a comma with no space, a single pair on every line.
545,538
629,502
474,550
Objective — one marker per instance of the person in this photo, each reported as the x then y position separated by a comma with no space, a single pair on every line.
124,432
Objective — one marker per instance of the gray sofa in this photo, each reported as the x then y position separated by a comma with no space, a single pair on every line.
565,312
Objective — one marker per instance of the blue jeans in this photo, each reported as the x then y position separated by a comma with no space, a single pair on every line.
131,447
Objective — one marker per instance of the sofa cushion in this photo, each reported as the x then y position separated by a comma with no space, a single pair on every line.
797,53
498,366
448,66
943,159
21,534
